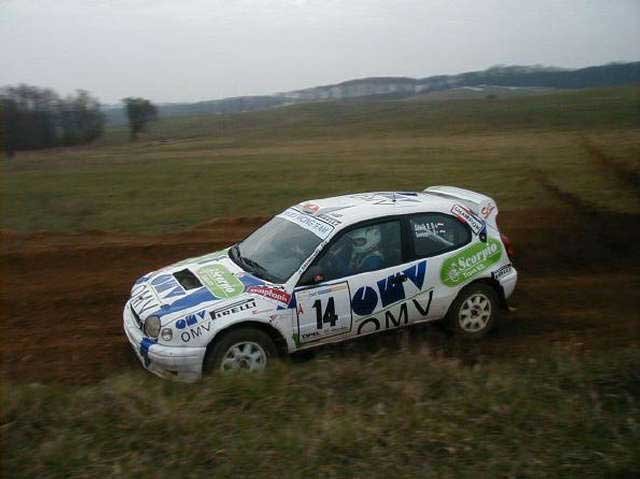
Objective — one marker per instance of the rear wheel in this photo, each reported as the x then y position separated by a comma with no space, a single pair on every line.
474,312
247,349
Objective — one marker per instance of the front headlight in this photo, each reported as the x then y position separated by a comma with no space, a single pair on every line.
152,326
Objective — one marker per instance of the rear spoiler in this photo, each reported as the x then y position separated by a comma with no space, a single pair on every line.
479,204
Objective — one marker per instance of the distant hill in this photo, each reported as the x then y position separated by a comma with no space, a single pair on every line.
535,77
505,76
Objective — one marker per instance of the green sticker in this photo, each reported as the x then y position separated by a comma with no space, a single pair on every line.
471,261
220,281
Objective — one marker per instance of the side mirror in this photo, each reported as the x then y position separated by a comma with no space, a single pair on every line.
312,276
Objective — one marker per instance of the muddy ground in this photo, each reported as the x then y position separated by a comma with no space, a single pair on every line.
62,295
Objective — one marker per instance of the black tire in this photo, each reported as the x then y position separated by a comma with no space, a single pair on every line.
475,311
251,342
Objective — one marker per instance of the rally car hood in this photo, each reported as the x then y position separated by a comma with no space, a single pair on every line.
203,282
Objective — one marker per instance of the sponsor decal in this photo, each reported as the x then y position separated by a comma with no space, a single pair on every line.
191,300
190,320
334,288
328,214
502,272
193,333
276,294
143,299
167,286
471,261
232,309
476,224
429,228
487,210
387,319
387,291
318,227
220,281
329,219
193,326
326,312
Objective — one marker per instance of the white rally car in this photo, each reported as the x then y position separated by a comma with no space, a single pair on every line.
325,271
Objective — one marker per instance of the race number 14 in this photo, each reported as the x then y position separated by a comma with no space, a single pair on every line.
323,312
329,315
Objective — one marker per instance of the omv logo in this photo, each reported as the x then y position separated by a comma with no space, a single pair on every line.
388,290
190,320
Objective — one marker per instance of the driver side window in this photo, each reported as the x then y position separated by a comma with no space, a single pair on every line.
363,249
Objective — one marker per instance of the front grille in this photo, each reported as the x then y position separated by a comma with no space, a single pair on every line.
136,317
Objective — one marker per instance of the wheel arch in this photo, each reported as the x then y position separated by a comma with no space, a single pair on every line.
492,283
495,284
275,335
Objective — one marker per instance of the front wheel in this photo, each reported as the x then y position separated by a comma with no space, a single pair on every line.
474,312
248,349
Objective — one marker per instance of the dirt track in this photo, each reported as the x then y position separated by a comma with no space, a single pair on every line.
62,295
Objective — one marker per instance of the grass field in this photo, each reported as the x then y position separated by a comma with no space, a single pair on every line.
555,392
400,415
188,170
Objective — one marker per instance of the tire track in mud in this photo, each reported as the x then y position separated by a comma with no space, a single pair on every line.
62,295
625,175
596,235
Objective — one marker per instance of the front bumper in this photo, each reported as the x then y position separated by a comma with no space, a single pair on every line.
169,362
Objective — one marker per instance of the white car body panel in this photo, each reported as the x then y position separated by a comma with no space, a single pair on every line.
363,303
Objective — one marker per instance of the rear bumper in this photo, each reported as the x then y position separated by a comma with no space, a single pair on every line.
169,362
508,283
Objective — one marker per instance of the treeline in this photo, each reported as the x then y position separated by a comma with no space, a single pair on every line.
33,118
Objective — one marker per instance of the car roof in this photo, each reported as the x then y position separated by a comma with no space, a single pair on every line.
345,210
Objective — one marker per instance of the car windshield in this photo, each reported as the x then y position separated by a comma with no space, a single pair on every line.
276,250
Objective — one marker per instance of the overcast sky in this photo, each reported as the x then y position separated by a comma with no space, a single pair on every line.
186,50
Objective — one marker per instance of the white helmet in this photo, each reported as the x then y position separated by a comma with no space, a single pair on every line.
365,239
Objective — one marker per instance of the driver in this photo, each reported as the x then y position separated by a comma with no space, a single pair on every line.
365,252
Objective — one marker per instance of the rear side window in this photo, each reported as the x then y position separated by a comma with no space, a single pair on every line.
437,233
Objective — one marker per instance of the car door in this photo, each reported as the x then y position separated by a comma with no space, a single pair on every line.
434,237
365,284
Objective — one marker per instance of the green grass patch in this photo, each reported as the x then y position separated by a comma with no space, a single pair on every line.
188,170
401,414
